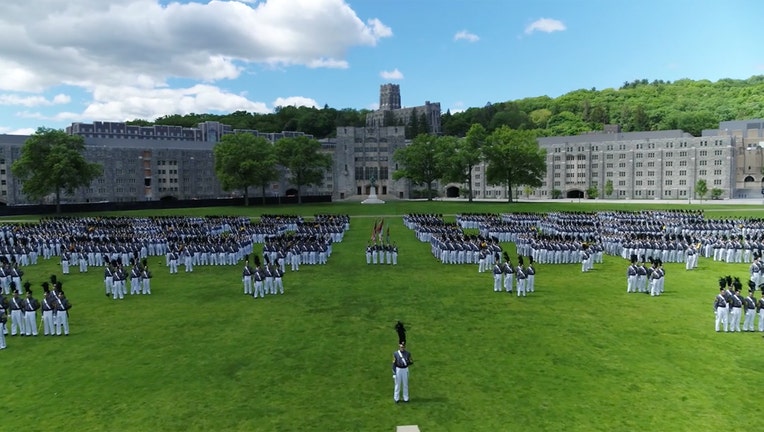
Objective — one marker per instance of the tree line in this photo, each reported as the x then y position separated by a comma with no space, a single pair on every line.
639,105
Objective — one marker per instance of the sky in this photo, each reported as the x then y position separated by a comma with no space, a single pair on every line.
115,60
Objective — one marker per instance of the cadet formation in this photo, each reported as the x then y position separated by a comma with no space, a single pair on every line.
120,247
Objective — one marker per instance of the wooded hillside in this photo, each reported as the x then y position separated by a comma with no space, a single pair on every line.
637,106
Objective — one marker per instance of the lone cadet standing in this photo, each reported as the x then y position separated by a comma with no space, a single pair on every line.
401,362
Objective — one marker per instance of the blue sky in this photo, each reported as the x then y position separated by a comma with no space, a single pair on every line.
87,60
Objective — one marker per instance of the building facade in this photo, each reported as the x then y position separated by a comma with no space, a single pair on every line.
646,165
149,163
366,153
390,112
172,162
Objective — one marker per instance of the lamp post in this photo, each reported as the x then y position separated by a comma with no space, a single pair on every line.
193,178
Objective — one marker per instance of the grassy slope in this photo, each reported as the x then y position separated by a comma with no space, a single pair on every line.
580,354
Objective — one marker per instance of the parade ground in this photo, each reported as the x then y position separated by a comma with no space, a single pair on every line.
578,354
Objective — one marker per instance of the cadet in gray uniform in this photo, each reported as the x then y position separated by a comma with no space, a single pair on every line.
3,321
750,309
760,309
720,308
401,362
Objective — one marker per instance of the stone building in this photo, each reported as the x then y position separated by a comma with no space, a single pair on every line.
645,165
148,163
390,112
363,153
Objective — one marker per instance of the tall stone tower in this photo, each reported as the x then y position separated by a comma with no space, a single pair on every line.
389,97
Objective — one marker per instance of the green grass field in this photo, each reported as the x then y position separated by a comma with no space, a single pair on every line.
578,355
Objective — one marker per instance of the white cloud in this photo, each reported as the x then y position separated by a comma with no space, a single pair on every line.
112,103
133,48
33,101
11,131
394,74
296,101
373,106
546,25
467,36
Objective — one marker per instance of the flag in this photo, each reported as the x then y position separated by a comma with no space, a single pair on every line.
388,235
374,230
380,228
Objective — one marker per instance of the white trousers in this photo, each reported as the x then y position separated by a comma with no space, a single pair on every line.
750,316
30,326
62,320
401,383
47,322
722,318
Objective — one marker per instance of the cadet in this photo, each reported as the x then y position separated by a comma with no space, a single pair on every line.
401,362
48,310
30,311
246,277
750,308
3,321
62,312
760,308
146,279
17,312
720,308
497,272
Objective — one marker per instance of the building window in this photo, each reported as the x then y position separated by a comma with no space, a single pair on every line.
717,182
668,182
669,173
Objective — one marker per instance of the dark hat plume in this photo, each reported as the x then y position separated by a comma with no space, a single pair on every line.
401,333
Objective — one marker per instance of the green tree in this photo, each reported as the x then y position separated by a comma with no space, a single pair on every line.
609,188
461,156
412,127
556,194
303,158
52,161
716,193
514,158
419,162
592,192
701,188
243,160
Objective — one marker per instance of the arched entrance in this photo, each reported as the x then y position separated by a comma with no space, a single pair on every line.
291,192
168,198
749,179
575,193
452,192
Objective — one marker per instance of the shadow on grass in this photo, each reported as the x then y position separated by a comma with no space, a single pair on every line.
429,400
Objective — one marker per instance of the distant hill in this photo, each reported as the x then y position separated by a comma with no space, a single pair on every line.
637,106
